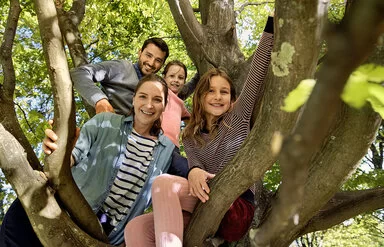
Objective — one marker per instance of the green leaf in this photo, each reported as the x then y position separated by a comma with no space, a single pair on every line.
374,73
355,91
298,96
362,86
376,98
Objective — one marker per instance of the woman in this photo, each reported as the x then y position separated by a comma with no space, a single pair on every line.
217,128
115,160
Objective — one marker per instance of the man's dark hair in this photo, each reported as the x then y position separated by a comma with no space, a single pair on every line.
159,42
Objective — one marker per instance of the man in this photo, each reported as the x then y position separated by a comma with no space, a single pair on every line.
118,78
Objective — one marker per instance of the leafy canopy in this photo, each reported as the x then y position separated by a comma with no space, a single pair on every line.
365,84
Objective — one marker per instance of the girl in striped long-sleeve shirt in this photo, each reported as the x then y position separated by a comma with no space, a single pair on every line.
217,128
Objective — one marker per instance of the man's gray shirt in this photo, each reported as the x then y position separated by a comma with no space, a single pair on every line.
118,80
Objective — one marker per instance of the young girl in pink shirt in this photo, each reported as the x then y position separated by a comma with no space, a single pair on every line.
175,74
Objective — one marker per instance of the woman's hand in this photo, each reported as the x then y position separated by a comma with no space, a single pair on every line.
198,186
49,144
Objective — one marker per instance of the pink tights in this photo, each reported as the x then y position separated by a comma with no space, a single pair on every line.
172,207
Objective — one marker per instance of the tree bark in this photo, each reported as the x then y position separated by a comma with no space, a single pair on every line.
256,156
338,69
214,42
345,205
345,145
69,22
57,164
310,129
53,225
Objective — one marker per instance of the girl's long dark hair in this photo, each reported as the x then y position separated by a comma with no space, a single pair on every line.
156,127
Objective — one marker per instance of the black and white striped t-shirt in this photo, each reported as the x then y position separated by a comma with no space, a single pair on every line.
130,177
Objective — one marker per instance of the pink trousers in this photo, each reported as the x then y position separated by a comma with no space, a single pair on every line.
172,208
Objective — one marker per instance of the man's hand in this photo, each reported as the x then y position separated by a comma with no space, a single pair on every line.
198,186
103,105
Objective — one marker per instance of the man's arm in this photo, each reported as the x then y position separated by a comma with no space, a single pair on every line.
85,77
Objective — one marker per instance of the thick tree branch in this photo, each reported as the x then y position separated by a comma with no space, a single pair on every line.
191,31
7,89
6,50
345,205
54,226
255,156
185,19
57,164
69,23
355,127
324,101
293,170
204,10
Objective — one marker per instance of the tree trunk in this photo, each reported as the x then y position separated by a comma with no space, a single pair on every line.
57,164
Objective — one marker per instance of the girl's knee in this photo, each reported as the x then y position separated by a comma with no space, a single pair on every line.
163,180
144,224
129,229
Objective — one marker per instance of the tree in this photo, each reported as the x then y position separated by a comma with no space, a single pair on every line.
326,139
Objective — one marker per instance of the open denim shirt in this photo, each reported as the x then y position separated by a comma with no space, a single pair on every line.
98,154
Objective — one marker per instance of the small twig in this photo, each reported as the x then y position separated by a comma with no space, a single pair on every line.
25,116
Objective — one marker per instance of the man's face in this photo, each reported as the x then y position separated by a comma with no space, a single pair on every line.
151,59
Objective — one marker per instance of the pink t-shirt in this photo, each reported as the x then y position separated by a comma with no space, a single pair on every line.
174,112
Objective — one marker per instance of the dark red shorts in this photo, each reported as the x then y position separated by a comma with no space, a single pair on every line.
236,221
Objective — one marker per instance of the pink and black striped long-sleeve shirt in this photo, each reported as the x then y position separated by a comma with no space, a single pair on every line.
235,125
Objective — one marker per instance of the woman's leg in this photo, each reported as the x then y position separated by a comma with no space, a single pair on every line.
170,196
16,230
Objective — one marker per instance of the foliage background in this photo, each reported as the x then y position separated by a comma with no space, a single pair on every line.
116,30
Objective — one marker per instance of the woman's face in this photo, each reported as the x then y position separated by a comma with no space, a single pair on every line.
217,100
148,103
175,78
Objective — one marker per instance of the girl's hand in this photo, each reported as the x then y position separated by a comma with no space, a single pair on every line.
198,186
